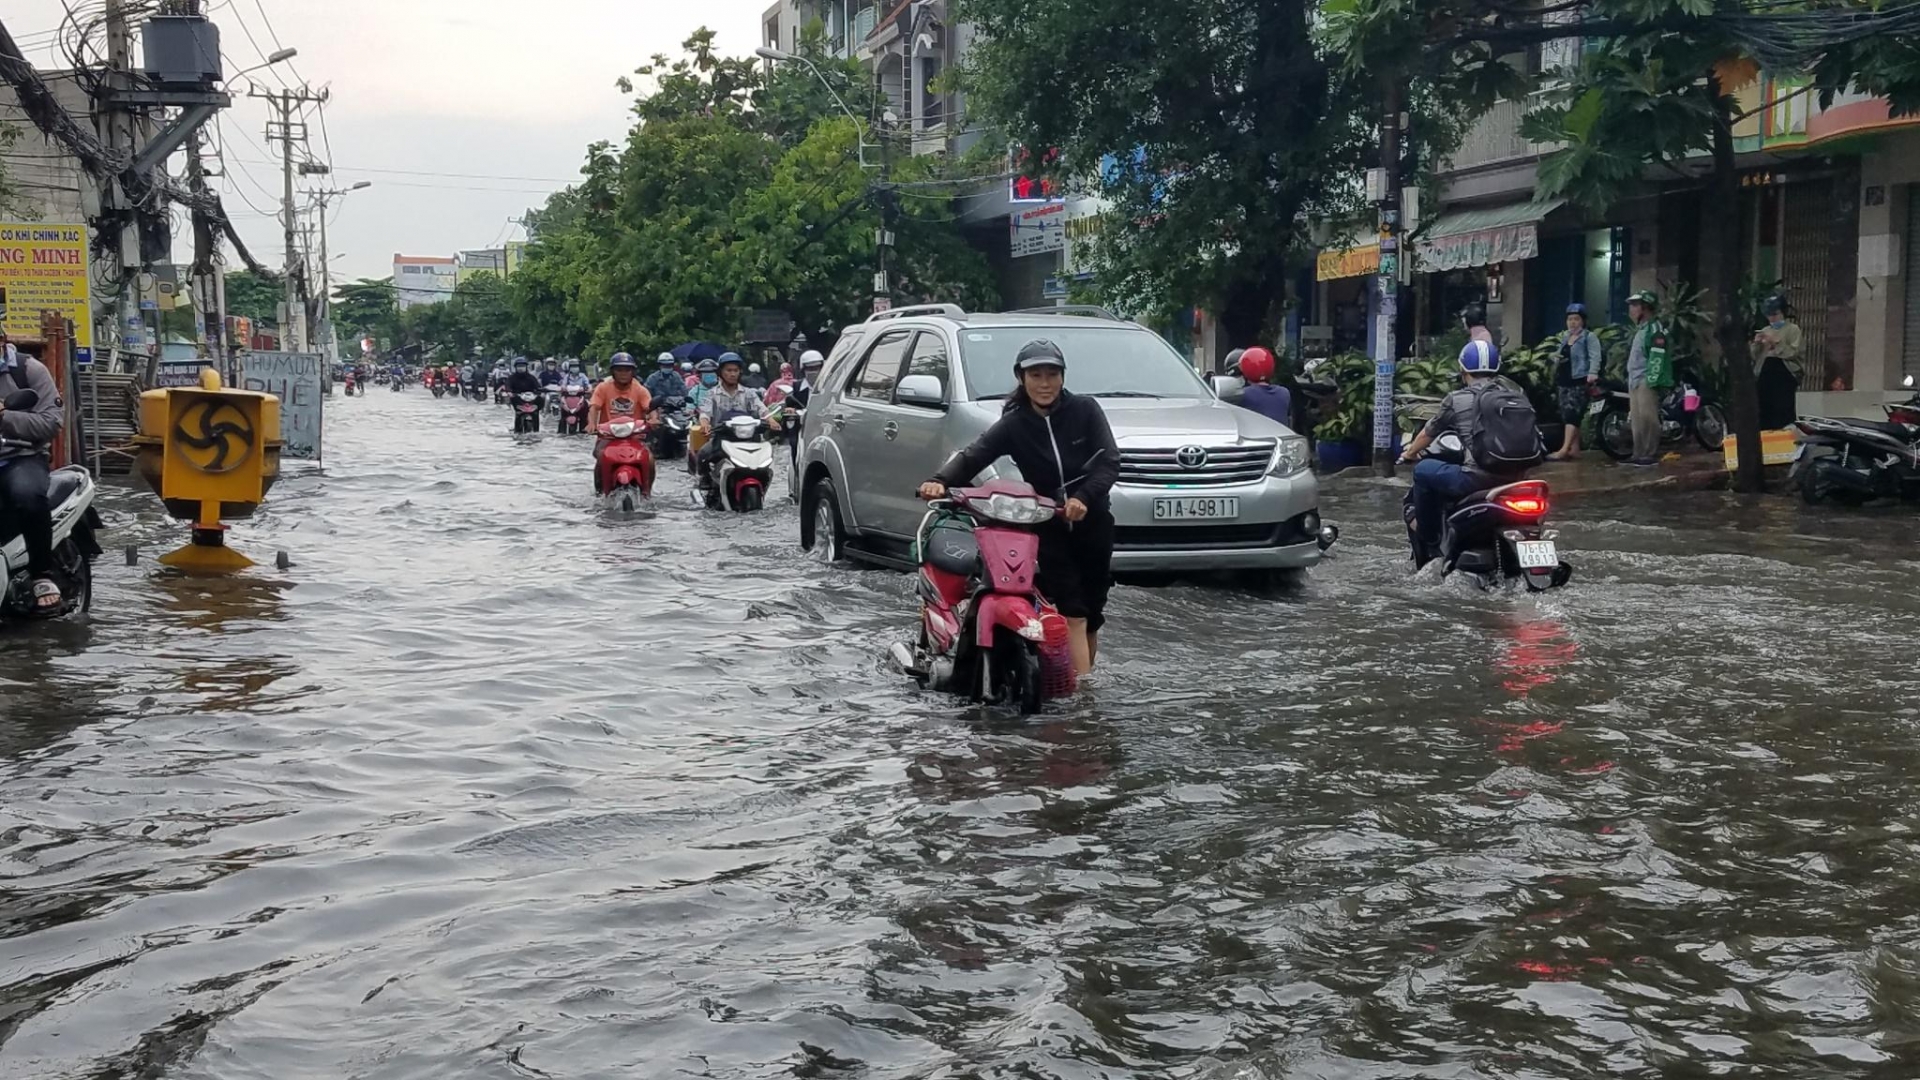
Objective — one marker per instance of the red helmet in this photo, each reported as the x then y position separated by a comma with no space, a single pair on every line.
1256,364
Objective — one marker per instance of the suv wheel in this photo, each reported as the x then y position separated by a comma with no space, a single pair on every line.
828,538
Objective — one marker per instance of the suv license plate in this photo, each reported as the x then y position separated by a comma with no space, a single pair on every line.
1536,554
1196,509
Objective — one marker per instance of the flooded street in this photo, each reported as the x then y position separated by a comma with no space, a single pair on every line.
486,786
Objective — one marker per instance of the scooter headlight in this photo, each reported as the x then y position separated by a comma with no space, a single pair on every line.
1013,509
1289,457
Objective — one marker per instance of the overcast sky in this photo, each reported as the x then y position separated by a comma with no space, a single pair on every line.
437,102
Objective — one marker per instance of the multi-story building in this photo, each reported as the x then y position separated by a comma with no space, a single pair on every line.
491,260
1829,205
423,279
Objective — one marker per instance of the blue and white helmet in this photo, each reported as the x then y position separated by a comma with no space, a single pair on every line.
1479,358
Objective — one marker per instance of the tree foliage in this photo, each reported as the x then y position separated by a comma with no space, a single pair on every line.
254,296
366,308
735,189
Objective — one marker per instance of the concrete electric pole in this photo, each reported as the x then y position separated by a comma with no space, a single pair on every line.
287,131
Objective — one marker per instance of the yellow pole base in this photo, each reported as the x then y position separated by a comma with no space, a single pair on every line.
206,558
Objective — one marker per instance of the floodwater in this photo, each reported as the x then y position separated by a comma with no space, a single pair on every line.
487,787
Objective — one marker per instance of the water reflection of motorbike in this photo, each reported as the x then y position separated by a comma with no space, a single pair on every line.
1496,534
738,479
985,630
526,413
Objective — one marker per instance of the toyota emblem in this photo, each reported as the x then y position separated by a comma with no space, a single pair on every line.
1191,457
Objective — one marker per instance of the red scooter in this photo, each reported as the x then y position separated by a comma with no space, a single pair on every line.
985,630
625,469
573,411
352,385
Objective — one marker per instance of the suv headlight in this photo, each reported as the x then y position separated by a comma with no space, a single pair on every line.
1289,456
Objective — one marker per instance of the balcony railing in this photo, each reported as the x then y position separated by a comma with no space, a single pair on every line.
864,21
1495,137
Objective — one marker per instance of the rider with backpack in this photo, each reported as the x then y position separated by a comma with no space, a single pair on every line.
1497,429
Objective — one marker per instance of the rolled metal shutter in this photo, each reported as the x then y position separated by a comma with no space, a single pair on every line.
1910,349
1805,259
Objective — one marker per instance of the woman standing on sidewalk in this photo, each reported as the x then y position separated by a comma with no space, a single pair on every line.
1643,402
1578,368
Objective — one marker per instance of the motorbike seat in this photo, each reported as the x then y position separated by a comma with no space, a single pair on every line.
62,486
1897,431
952,548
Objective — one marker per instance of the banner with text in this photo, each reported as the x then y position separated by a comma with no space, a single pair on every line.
45,267
294,378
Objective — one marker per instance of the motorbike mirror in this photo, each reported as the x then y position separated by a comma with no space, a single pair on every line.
25,400
1907,382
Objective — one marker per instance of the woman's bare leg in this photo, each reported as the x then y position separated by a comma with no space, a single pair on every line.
1081,643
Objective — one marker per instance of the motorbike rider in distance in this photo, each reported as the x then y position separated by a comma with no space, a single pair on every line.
1439,484
573,379
1065,448
810,364
550,375
688,374
729,398
522,380
665,383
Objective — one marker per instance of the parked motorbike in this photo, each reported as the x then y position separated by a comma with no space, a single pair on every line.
526,413
985,630
572,406
625,470
1852,461
75,523
740,477
1683,411
1497,534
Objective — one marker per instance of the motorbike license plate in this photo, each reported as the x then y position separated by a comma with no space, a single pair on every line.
1536,554
1595,408
1196,509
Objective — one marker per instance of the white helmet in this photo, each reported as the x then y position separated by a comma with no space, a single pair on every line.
755,368
664,358
811,358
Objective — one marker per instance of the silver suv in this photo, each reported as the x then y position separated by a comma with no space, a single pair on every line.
1203,486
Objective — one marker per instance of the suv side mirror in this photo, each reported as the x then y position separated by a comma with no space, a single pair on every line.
1228,388
922,390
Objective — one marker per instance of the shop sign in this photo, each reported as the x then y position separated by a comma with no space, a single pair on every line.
1345,264
1038,230
1482,247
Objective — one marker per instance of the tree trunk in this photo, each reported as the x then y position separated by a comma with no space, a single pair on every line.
1730,327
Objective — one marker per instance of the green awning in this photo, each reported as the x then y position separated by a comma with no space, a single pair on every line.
1481,236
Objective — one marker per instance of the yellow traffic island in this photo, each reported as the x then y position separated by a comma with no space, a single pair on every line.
211,454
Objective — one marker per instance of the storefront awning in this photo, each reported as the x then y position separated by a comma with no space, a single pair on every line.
1482,237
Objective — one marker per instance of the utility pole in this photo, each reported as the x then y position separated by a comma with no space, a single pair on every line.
1385,350
328,341
286,131
883,237
120,140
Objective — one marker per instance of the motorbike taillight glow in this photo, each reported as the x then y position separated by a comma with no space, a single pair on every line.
1526,500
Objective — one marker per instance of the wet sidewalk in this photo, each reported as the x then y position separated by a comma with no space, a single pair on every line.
1592,473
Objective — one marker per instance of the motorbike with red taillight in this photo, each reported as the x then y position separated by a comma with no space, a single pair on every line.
1497,535
985,629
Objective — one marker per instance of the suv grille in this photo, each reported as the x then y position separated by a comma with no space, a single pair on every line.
1162,467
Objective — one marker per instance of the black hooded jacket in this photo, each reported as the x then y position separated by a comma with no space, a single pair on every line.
1067,452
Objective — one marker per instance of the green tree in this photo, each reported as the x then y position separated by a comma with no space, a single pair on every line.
254,296
1659,89
367,307
1223,127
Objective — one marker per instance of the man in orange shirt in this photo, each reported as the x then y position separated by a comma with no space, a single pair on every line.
619,398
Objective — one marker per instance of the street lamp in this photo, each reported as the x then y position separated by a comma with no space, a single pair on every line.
275,57
781,56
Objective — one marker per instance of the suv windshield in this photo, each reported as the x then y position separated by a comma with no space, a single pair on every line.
1102,361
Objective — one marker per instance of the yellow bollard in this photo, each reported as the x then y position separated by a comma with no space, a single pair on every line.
211,454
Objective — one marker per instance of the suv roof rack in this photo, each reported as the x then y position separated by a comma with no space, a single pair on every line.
1091,311
951,311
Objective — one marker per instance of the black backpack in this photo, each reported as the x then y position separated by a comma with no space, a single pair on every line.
1506,434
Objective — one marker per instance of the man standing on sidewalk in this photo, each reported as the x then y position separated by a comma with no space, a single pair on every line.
1643,400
